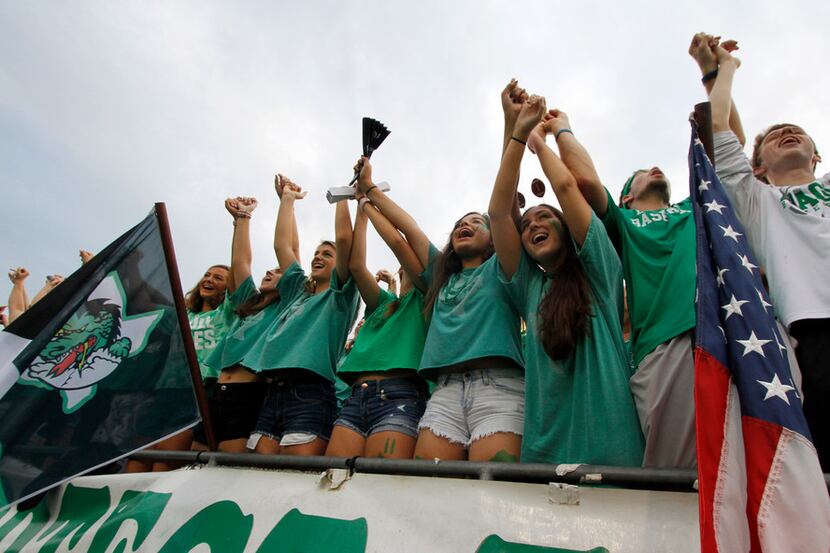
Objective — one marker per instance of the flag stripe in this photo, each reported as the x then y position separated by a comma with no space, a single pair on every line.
760,444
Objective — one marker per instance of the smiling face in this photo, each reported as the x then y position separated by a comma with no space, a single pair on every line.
323,262
542,233
213,285
471,236
270,280
784,146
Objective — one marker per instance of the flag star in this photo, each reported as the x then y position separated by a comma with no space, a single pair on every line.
775,388
733,307
714,206
746,262
764,302
729,232
720,279
704,185
753,344
781,346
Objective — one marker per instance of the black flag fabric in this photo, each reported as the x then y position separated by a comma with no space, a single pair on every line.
95,370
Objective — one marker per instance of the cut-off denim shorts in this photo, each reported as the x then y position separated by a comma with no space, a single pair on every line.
387,405
296,410
465,407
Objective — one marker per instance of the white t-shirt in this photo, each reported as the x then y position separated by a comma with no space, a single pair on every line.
788,229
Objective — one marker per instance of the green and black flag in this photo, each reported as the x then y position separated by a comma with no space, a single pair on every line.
95,370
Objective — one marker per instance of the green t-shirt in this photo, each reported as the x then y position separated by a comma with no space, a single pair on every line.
472,317
579,409
658,254
310,330
208,330
393,341
244,332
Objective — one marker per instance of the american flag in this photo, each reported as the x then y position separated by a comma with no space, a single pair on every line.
760,484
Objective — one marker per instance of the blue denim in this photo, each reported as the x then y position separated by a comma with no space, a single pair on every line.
305,405
388,405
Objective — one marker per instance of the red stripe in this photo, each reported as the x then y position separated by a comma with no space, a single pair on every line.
711,392
760,443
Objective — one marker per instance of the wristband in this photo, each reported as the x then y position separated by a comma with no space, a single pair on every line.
560,131
522,142
709,76
361,202
368,190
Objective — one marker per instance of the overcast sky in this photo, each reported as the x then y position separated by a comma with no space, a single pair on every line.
108,107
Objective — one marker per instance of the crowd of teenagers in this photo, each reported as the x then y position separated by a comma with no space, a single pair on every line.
512,341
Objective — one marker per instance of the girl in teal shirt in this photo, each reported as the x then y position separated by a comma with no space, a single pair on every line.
562,272
387,398
472,349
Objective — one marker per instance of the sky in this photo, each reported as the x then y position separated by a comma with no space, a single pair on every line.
109,107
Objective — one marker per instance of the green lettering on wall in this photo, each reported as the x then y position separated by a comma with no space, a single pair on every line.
144,508
221,526
299,533
34,520
494,544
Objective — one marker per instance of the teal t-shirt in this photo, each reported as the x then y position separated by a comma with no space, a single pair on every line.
387,341
244,332
579,409
472,317
208,330
310,330
658,254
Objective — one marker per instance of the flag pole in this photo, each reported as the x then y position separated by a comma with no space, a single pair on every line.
703,118
181,313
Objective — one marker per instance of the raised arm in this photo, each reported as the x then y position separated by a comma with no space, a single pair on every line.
704,50
506,236
721,94
577,160
18,298
363,278
343,237
400,247
392,211
512,98
284,229
575,207
52,282
241,210
279,183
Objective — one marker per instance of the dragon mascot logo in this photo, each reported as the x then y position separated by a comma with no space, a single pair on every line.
92,344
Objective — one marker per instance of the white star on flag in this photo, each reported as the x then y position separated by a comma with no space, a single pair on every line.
733,307
747,263
714,206
764,302
704,185
775,388
729,232
721,282
753,344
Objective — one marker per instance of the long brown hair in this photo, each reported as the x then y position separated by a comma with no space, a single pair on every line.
257,303
193,300
447,264
565,310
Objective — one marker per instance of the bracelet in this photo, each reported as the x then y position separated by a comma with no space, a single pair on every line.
560,131
361,202
709,76
522,142
368,190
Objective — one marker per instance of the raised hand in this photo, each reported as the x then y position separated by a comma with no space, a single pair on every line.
512,98
247,205
529,116
54,280
364,179
384,276
85,256
702,50
724,50
555,120
234,208
18,275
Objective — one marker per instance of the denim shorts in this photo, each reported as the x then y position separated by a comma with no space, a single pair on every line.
466,407
297,406
387,405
